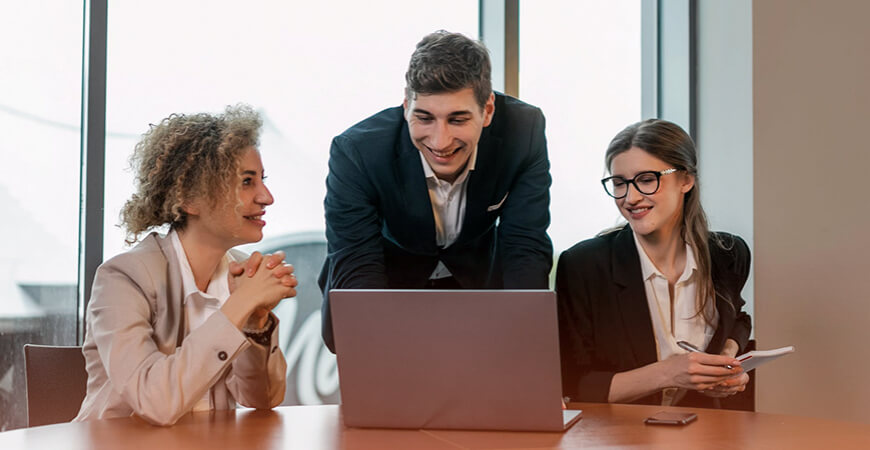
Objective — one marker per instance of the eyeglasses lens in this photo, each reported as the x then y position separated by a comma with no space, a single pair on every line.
646,183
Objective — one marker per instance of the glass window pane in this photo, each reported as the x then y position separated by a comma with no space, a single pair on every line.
580,63
40,97
312,69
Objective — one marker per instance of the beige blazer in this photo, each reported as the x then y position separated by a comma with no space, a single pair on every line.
139,360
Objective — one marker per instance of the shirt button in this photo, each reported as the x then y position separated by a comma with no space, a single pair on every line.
222,355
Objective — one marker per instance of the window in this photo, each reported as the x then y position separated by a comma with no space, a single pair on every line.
40,98
580,63
311,69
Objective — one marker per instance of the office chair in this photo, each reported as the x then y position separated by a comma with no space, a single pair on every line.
56,383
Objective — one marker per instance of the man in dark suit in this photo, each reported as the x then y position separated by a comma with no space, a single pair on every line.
448,191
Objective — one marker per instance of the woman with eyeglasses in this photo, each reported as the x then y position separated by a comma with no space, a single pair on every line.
628,296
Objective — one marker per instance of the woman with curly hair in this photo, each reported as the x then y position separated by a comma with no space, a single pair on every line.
170,329
628,296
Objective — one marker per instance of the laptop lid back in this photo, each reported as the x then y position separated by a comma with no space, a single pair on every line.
485,360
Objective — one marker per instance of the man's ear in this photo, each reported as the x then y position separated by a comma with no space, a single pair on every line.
405,103
406,113
488,110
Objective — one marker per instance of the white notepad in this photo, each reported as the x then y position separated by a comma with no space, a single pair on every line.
755,358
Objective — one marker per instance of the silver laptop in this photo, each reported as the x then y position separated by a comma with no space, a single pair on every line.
474,360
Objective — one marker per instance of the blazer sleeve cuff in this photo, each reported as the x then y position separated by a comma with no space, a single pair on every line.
256,356
593,387
257,379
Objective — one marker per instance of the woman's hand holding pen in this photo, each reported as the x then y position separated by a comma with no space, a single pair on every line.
700,371
732,385
714,375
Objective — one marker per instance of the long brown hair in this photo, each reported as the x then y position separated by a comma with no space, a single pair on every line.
671,144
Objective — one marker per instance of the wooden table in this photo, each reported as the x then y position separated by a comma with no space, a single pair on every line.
321,427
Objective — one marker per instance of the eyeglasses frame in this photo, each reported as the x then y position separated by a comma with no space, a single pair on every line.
632,182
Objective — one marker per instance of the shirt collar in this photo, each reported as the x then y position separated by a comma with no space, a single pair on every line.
691,265
648,269
430,174
217,286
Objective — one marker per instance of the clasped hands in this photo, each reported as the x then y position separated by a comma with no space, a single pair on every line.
265,280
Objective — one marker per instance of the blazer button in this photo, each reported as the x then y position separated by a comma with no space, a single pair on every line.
222,355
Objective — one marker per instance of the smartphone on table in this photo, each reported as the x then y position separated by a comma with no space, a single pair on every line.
670,418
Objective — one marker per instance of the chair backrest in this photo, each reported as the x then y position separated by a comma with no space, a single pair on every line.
56,383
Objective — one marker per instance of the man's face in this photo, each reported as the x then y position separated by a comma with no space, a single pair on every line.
445,128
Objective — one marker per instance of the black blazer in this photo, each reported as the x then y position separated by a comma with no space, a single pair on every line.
604,318
380,228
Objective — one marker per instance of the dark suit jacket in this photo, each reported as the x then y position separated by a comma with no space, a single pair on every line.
604,319
380,228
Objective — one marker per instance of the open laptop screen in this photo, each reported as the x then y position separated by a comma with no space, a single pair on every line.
448,359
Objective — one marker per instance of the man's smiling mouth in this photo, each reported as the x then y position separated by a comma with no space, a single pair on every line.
443,154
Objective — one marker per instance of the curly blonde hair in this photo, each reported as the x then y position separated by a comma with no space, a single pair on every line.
187,157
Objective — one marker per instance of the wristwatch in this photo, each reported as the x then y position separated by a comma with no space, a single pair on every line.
263,336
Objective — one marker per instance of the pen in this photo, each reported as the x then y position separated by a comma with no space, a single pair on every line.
691,348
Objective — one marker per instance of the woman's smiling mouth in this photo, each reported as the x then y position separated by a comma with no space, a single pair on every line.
638,213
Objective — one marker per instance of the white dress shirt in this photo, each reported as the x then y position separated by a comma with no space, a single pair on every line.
675,320
198,305
448,207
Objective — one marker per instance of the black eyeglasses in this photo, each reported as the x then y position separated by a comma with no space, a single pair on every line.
646,183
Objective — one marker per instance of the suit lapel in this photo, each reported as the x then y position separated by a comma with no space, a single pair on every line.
174,308
718,339
414,209
483,180
631,296
723,306
482,184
